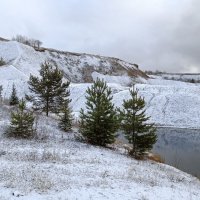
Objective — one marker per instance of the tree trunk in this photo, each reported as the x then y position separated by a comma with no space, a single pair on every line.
47,107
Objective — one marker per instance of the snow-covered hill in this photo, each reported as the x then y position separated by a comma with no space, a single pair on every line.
76,67
169,103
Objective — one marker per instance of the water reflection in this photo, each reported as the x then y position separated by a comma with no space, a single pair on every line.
180,148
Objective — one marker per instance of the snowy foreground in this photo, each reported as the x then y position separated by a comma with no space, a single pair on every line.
57,167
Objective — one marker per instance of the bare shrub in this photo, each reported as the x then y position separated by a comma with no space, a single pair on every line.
28,41
51,156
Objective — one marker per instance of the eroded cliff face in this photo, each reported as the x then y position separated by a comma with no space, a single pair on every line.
77,68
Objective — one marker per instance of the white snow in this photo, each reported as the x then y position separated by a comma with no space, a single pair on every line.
9,51
123,80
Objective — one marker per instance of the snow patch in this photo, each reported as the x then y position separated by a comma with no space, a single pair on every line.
122,80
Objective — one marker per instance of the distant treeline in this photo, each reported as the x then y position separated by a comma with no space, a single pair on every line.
28,41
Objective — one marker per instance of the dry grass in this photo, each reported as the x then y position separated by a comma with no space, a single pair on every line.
156,158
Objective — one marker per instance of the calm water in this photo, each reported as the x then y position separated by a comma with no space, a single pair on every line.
180,148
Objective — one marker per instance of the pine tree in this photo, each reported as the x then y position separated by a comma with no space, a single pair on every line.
65,121
1,89
13,98
134,124
100,122
49,90
2,62
21,122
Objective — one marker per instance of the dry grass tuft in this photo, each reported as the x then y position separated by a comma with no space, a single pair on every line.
156,158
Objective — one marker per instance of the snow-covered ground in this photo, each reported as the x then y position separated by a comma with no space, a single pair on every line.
57,167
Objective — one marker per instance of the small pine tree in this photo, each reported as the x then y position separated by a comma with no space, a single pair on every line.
48,90
61,100
134,124
13,98
2,62
1,89
21,122
65,121
192,81
100,122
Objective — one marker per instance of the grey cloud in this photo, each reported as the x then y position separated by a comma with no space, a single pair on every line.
156,34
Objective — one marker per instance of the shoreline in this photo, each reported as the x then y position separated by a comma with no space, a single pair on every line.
175,127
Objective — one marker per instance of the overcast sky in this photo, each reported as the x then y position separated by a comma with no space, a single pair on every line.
156,34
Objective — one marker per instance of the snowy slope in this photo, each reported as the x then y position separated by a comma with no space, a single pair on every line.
77,67
22,60
176,105
169,103
59,168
